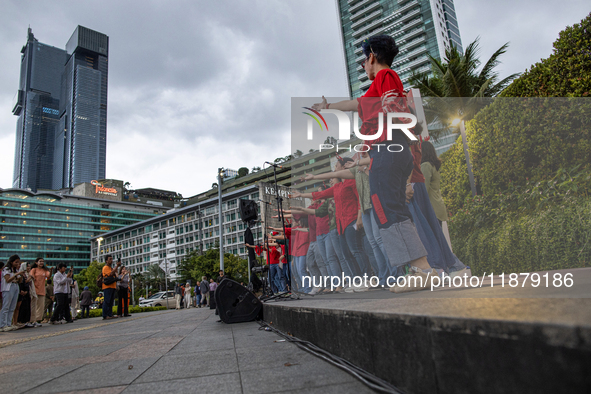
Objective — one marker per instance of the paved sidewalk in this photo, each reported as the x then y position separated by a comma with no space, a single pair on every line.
163,352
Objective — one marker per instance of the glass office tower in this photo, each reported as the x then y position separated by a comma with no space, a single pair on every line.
420,27
37,107
81,142
61,104
58,227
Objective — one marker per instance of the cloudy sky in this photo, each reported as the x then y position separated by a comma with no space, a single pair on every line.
196,85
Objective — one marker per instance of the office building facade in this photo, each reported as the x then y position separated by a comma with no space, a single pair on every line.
420,28
167,239
37,106
58,227
61,106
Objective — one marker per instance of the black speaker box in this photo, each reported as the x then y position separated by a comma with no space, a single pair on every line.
235,303
248,210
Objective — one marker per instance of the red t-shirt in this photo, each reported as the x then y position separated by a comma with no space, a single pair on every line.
346,202
273,254
417,174
300,244
385,94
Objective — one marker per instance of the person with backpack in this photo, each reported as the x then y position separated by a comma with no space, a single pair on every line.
109,286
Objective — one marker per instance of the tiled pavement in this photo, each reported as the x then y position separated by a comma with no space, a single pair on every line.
163,352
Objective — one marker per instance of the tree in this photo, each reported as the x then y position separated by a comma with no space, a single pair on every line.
565,73
194,266
88,277
456,89
156,277
331,140
242,171
298,153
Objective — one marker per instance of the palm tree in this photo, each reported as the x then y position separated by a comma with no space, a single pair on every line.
455,88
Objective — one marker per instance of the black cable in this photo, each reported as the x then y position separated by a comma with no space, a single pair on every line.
365,377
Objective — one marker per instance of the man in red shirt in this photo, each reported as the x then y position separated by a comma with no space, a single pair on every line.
389,169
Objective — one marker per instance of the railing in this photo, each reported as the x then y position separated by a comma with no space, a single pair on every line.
366,19
362,11
410,34
414,63
409,55
410,44
365,28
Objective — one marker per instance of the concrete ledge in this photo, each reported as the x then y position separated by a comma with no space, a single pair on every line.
429,353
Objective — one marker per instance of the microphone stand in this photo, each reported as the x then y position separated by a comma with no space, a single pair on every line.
281,215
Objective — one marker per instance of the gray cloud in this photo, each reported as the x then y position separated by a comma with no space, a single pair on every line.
194,85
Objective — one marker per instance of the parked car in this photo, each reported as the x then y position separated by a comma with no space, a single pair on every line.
162,298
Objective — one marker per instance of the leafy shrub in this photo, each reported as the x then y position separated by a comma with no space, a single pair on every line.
132,310
539,226
566,73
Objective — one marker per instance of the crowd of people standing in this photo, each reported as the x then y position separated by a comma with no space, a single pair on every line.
30,291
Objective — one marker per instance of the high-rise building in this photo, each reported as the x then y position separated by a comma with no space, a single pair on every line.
37,107
420,27
81,139
62,108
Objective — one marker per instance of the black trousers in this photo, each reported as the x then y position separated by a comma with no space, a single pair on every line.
123,306
85,308
62,308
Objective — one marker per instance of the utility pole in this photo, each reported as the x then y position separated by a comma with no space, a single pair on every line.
467,155
220,180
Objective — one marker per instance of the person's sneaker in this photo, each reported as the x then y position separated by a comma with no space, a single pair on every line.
349,289
414,281
461,272
315,291
38,325
428,277
360,289
338,289
53,322
29,325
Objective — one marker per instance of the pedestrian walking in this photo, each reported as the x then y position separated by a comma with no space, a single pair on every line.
204,290
188,296
178,293
198,294
86,301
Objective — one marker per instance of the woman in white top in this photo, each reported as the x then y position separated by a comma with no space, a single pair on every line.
10,290
188,296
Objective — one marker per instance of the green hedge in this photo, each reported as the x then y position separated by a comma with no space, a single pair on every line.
132,310
565,73
540,226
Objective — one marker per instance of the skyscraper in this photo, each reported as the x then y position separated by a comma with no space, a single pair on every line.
81,140
420,27
62,108
37,107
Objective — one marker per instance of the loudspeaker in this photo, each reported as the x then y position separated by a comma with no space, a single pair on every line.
248,210
235,303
